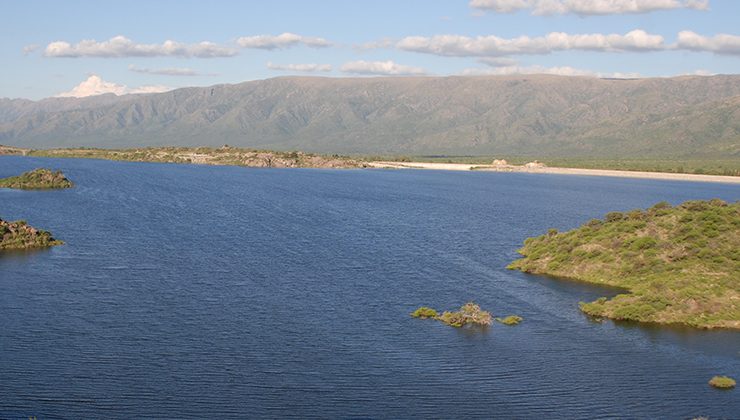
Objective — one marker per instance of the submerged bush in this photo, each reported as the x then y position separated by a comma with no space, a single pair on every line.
510,320
470,313
722,382
424,312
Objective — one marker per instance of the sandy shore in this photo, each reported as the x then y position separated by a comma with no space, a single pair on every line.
558,171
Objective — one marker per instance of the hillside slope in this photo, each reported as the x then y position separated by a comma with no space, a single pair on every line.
513,115
680,264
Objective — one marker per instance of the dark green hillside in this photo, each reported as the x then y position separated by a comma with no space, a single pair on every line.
681,264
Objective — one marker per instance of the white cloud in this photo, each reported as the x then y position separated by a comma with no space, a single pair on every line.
28,49
498,61
305,68
718,44
94,85
560,71
462,46
387,68
284,40
701,72
383,43
170,71
120,46
587,7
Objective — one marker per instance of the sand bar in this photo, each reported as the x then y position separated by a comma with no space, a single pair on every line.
557,171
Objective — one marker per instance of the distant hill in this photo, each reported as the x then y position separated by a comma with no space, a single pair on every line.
544,116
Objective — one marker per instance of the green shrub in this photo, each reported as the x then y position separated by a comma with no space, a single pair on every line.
722,382
510,320
614,216
424,312
661,206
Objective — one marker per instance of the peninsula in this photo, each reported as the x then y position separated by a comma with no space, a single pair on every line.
38,179
225,155
679,264
19,235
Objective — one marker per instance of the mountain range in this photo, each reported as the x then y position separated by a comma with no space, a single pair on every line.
524,115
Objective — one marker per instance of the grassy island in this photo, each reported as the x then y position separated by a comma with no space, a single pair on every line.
38,179
469,314
680,264
722,382
19,235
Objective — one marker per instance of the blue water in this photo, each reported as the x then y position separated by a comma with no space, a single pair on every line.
190,291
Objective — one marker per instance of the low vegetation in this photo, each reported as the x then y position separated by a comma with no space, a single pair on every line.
19,235
469,314
226,155
722,382
38,179
424,313
679,264
510,320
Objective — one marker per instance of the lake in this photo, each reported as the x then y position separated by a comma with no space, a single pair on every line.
189,291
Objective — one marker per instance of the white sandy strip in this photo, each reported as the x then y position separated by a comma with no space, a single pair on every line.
558,171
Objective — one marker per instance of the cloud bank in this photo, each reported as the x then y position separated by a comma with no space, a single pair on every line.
559,71
120,46
304,68
385,68
94,85
284,40
463,46
587,7
170,71
718,44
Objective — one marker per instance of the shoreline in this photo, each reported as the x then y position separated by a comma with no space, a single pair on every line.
667,176
227,156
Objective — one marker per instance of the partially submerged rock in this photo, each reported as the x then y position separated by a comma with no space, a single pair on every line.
37,179
19,235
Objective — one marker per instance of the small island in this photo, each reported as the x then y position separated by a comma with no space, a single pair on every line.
469,314
37,179
19,235
678,264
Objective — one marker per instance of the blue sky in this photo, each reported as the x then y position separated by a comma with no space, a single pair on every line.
86,47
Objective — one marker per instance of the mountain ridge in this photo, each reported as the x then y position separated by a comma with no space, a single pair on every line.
538,115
